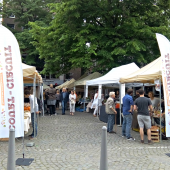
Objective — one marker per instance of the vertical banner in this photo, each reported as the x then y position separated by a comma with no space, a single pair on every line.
11,85
86,91
100,92
122,90
164,46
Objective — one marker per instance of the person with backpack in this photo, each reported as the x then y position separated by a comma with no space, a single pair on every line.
51,99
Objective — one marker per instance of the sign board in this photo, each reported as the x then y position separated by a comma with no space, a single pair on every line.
11,85
164,46
157,85
122,90
86,91
100,92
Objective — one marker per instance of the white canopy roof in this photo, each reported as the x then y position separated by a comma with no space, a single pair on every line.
28,70
146,74
114,75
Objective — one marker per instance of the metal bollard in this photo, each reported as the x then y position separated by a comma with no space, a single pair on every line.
11,150
103,156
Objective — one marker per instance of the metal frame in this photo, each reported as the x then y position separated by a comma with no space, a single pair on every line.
160,111
34,93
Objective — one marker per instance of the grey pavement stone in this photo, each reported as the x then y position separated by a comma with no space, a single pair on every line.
74,142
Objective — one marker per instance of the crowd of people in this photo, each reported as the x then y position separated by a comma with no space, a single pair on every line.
140,104
144,107
53,98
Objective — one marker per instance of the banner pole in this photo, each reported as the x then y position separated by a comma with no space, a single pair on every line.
42,97
34,92
120,104
160,112
11,150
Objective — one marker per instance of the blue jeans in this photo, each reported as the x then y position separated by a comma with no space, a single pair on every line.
64,104
34,128
127,124
110,122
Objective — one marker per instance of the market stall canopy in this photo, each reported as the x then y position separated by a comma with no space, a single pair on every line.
70,82
83,81
45,86
147,74
62,85
29,79
28,70
114,75
71,85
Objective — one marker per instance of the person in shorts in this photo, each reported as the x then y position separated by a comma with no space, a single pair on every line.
141,104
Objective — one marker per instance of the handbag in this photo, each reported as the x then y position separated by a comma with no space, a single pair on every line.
72,101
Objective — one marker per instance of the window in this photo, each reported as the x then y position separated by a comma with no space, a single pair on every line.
11,26
12,16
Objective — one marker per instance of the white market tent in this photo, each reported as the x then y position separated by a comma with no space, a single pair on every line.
28,70
62,85
114,75
45,86
82,82
146,74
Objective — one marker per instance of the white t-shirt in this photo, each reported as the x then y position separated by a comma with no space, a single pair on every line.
72,96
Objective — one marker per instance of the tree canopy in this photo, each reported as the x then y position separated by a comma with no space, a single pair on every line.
117,31
26,11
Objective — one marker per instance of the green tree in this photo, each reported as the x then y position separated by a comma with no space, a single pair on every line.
26,11
119,32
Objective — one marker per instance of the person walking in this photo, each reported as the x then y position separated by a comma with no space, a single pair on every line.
110,110
141,104
127,115
57,99
64,99
51,101
72,100
95,104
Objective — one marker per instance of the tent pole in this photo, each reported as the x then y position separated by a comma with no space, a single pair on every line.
120,104
84,96
160,111
34,92
42,98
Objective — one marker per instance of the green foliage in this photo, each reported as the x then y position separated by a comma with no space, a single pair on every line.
26,11
119,32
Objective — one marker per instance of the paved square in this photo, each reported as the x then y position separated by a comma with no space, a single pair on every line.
67,142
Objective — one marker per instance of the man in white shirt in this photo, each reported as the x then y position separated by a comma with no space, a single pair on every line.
27,94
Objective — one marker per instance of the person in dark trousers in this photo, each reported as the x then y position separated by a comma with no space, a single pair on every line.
51,101
141,104
64,98
127,115
110,110
57,99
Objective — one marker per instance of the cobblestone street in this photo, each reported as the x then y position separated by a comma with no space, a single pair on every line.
67,142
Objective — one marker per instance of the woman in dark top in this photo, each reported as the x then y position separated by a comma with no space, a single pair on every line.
57,99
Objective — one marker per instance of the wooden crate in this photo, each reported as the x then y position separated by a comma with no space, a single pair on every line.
155,134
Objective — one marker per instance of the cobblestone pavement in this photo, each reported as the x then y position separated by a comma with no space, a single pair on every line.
67,142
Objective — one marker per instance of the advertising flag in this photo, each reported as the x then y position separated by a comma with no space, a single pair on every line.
164,46
11,85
